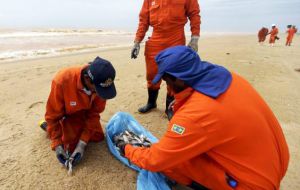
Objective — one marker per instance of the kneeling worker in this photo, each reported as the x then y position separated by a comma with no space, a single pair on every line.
78,95
222,135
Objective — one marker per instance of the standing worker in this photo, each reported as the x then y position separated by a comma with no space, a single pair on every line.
78,95
273,35
291,32
168,18
222,135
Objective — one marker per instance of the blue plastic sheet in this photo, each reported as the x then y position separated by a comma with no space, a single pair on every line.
123,121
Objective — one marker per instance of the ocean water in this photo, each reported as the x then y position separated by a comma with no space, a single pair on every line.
28,44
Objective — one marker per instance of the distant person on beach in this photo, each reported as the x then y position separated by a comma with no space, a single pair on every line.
291,31
273,35
262,34
78,95
168,19
223,135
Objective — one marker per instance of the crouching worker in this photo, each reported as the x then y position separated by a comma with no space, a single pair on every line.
78,95
222,135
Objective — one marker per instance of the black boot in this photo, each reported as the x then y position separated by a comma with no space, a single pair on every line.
169,112
152,97
43,125
197,186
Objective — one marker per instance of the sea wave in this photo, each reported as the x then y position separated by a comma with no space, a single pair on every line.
24,44
60,32
29,54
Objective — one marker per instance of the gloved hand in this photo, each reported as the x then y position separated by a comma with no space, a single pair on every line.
121,145
78,152
61,154
194,43
135,50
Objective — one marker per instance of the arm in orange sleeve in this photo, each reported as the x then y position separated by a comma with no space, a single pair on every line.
93,119
55,111
193,13
199,136
143,22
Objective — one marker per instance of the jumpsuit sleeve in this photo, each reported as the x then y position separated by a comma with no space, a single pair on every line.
143,22
193,13
55,111
198,137
93,120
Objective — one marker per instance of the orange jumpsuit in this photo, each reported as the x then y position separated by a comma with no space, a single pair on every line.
291,32
207,139
71,114
273,35
262,34
168,18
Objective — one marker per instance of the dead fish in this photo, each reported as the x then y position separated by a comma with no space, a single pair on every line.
130,137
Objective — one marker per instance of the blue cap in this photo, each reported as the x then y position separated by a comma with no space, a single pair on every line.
185,64
102,73
177,59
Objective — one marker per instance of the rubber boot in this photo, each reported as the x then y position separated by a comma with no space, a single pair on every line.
169,112
43,125
152,97
197,186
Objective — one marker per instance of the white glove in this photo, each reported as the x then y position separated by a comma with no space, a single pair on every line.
78,152
194,43
135,50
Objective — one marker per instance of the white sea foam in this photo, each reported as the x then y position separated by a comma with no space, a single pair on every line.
24,44
16,45
18,55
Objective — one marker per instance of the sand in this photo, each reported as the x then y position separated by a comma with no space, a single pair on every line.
28,163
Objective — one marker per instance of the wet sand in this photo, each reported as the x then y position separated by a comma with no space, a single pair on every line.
28,163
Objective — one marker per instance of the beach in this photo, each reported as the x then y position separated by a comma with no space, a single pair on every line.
27,162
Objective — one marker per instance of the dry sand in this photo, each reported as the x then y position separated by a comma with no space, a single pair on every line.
28,163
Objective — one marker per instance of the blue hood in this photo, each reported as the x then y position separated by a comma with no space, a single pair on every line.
185,64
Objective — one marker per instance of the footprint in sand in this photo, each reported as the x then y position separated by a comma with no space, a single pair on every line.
4,79
298,70
35,104
35,109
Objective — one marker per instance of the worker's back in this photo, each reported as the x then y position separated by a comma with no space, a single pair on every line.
248,141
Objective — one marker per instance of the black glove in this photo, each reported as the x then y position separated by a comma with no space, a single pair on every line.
121,145
61,154
135,50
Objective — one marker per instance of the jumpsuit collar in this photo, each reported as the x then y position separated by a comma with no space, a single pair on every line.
79,83
181,97
80,86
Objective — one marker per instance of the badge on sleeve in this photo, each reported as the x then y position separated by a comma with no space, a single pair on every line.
73,103
178,129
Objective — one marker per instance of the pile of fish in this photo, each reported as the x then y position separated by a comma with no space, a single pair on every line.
129,137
